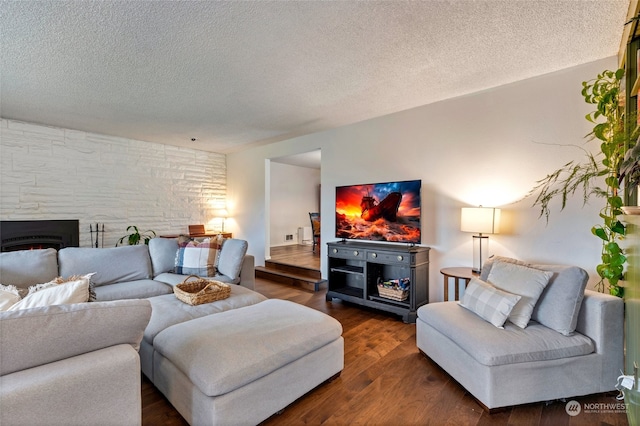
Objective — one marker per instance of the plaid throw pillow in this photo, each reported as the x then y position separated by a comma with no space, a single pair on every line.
488,302
198,258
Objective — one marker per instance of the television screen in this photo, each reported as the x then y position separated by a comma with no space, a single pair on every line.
387,211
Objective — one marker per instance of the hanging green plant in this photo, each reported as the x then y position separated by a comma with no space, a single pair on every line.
136,236
603,167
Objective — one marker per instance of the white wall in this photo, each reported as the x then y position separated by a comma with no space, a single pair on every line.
54,173
487,148
294,193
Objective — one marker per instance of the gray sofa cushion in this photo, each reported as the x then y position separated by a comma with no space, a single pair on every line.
268,335
559,304
168,310
486,268
111,265
231,256
163,254
28,267
139,289
521,280
38,336
173,279
492,346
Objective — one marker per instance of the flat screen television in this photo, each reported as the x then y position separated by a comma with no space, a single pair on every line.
388,211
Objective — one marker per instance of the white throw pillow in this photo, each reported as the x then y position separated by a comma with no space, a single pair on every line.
9,296
61,280
37,287
59,294
491,304
521,280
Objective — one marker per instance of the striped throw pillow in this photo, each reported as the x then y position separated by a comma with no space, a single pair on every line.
198,258
489,303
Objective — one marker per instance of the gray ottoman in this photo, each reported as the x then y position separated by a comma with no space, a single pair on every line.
167,311
241,366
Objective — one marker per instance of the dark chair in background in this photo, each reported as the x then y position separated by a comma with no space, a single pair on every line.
315,229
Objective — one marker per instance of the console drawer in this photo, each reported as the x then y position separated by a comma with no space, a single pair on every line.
347,253
389,257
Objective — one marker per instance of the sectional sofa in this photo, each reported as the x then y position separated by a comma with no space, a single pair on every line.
210,359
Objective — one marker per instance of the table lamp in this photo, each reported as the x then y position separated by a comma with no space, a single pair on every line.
483,220
221,213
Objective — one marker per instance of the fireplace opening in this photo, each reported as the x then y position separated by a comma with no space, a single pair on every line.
38,234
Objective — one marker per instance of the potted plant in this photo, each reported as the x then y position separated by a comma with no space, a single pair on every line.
601,174
136,236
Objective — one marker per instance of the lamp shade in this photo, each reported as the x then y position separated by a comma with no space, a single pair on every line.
221,213
483,220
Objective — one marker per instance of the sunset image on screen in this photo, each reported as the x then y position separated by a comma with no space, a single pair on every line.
380,212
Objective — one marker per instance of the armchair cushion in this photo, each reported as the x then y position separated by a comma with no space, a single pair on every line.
559,304
521,280
491,346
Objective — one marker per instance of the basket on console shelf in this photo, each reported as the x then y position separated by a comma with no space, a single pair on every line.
201,290
393,293
394,289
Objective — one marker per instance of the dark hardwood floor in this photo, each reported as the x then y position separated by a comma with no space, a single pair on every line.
297,255
386,381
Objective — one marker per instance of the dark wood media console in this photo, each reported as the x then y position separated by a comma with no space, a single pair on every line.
355,268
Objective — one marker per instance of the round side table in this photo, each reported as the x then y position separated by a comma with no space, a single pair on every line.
458,274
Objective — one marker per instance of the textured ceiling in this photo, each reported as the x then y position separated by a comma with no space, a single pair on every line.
236,73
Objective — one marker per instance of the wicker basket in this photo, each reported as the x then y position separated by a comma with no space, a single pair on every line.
201,290
393,293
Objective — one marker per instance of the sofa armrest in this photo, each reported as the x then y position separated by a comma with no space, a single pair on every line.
601,319
33,337
248,272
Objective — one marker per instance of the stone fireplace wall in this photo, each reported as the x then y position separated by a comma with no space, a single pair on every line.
55,173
